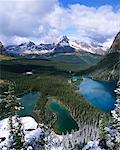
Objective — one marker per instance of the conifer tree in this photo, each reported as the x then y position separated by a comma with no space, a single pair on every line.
18,135
12,105
42,141
102,125
114,128
10,127
102,131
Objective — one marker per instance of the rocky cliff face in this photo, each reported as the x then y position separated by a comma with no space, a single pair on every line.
116,43
2,49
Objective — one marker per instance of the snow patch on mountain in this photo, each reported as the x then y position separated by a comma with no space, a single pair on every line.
88,47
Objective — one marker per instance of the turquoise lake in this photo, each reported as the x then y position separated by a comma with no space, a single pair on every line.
64,120
28,101
98,93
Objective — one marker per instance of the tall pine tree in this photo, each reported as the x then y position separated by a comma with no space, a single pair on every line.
114,128
12,106
102,131
18,142
11,103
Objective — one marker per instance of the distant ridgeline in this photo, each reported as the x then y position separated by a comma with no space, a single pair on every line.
108,67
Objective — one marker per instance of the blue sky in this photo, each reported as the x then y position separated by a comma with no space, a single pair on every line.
91,3
45,21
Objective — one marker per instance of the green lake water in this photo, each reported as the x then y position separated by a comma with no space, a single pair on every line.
28,101
64,121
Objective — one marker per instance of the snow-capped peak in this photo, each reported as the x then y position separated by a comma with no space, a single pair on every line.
30,43
28,46
64,41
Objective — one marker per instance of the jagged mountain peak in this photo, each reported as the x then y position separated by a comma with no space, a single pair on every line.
116,43
64,39
63,46
30,43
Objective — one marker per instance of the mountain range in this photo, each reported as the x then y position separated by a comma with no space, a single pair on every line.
64,45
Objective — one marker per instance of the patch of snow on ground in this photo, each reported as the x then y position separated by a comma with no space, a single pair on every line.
92,145
32,132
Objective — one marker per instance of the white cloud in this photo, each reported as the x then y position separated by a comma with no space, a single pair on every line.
46,20
90,23
23,18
